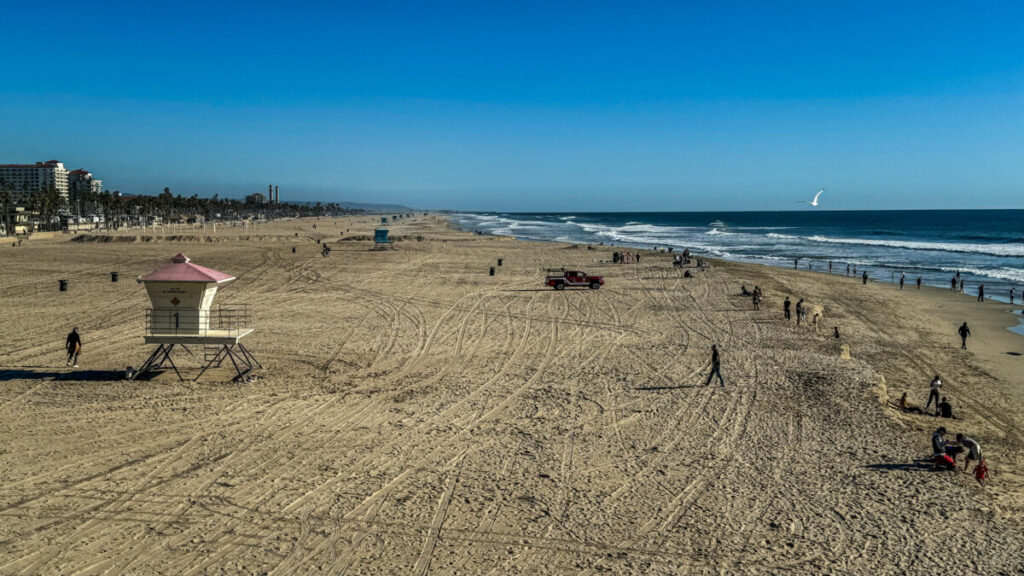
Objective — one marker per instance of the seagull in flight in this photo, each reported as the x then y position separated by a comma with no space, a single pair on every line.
812,202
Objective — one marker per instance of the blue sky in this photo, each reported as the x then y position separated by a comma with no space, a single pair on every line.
526,106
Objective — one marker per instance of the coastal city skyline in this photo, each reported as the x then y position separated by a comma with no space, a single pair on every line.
658,107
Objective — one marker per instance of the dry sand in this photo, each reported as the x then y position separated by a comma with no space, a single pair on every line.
417,416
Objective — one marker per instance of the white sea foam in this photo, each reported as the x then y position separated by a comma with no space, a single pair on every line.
991,249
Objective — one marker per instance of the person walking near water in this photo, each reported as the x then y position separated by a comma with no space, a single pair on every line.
961,285
864,278
785,307
74,347
936,387
981,293
903,278
965,333
716,366
1012,294
952,284
847,269
918,282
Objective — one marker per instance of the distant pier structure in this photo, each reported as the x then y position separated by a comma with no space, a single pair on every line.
182,315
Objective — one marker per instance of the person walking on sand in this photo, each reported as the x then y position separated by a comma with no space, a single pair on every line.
796,263
847,269
936,386
785,307
864,278
903,278
1012,294
918,282
716,366
965,333
952,284
757,300
799,311
74,347
961,285
981,293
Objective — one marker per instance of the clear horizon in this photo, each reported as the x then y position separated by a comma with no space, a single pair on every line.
529,107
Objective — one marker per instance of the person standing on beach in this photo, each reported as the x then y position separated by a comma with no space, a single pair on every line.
829,266
796,262
961,285
847,269
903,278
1012,294
785,307
952,284
965,333
799,311
936,386
981,293
918,282
864,278
716,366
74,347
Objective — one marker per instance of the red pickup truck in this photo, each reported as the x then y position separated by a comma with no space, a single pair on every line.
559,278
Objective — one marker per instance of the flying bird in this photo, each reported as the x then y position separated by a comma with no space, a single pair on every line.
812,202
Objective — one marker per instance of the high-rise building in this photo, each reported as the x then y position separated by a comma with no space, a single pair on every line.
81,182
25,178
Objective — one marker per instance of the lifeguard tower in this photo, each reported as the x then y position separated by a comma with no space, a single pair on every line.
183,315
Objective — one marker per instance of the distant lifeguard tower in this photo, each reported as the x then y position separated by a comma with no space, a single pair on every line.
183,315
380,236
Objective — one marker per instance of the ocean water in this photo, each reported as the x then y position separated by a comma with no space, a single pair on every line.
985,246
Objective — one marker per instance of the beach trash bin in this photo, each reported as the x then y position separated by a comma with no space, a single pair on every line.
113,276
492,271
500,260
63,285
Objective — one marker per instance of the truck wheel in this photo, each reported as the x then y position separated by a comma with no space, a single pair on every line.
595,285
559,285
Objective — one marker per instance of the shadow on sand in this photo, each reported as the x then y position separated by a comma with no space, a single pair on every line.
40,373
921,465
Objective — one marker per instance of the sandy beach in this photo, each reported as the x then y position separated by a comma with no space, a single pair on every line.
418,416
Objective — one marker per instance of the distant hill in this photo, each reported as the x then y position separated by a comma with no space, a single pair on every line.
371,207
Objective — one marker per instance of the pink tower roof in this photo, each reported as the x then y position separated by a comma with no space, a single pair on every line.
181,269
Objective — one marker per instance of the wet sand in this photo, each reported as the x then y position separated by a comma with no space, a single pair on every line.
417,416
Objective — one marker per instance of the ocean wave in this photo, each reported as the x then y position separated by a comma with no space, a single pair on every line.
1004,273
1012,250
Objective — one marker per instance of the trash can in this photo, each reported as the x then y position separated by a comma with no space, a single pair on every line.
113,276
63,285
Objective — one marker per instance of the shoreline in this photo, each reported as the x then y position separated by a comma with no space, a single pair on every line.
1011,321
688,233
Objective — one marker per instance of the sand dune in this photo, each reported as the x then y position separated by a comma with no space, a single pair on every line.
417,416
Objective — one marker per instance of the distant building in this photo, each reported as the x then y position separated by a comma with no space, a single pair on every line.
25,178
81,184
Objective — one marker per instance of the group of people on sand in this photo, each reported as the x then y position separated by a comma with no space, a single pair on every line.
802,310
625,258
945,453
